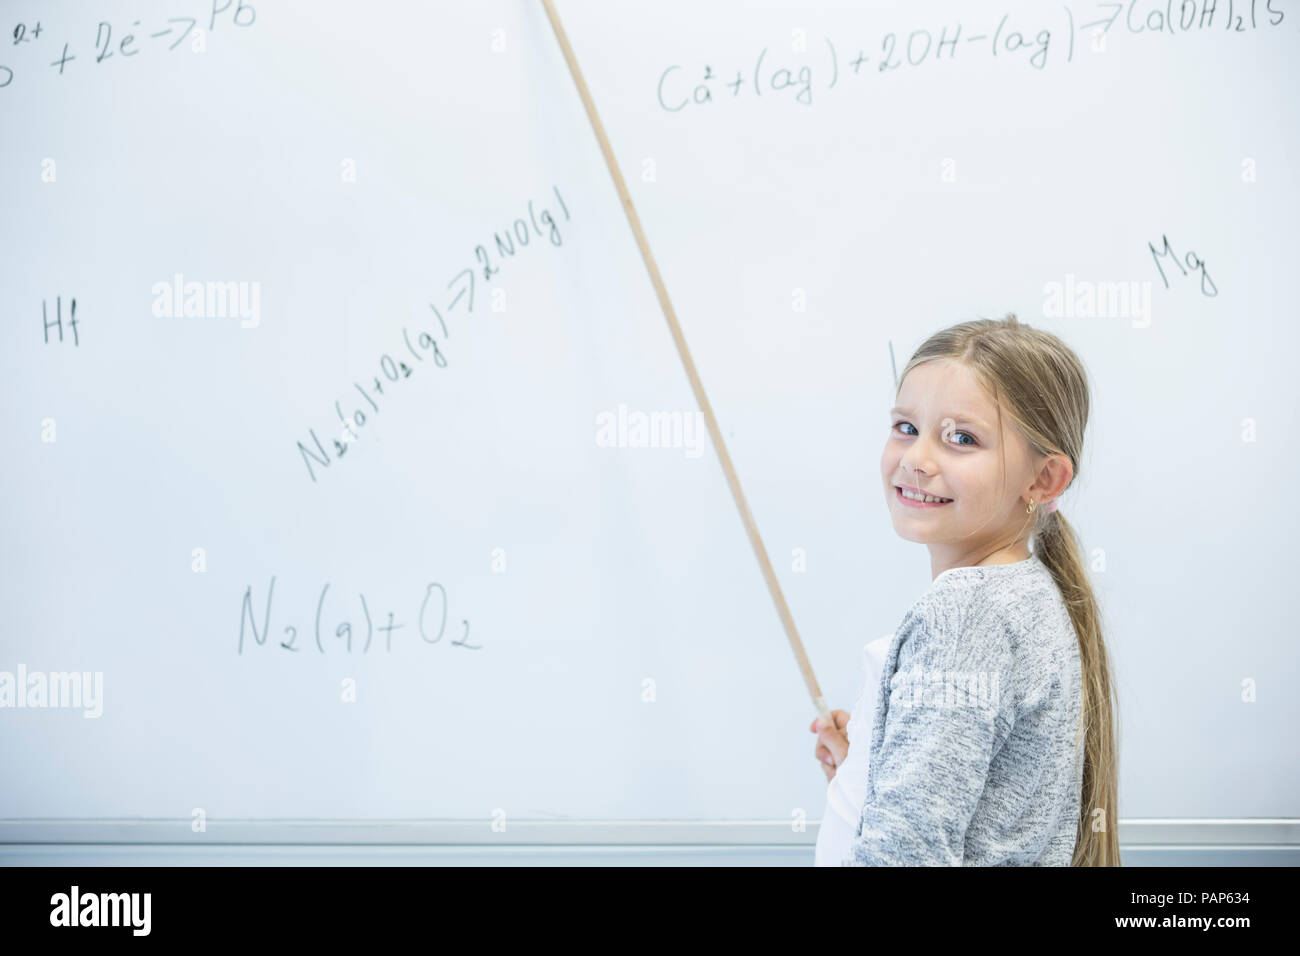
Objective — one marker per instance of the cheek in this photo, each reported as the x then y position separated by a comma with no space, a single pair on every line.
967,484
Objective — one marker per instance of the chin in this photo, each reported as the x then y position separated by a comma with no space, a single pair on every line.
907,533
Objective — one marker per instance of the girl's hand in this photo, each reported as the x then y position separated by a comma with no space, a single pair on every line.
832,742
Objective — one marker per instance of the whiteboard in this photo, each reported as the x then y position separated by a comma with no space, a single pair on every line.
365,474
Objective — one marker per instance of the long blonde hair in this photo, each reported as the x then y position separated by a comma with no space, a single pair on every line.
1041,385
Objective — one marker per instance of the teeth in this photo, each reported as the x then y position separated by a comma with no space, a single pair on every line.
916,497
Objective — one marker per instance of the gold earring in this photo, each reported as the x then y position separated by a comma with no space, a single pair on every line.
1030,509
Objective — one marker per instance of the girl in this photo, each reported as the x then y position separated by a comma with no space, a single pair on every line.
984,733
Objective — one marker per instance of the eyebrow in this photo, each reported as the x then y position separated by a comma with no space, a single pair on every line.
960,418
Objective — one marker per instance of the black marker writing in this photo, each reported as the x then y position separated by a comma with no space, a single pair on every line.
1208,288
540,224
333,636
678,87
58,320
113,43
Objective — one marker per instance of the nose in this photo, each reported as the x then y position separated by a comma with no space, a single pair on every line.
917,458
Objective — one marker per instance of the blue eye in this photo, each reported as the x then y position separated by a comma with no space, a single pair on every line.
963,444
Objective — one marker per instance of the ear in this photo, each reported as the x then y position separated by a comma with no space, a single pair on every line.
1054,475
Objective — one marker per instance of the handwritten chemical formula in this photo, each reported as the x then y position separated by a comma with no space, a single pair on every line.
332,636
541,224
114,43
1005,39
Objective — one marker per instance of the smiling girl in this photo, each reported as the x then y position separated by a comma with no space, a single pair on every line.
984,732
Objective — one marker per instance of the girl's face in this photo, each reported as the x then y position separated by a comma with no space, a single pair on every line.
943,442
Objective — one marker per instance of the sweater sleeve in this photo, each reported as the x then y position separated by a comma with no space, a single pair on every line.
950,710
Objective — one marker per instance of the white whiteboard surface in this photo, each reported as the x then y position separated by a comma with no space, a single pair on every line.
345,161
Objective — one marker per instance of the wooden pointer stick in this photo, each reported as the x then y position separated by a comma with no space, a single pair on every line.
772,585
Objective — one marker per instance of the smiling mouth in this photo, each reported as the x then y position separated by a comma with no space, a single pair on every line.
929,501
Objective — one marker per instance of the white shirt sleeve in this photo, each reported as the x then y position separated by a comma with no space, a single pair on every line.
847,790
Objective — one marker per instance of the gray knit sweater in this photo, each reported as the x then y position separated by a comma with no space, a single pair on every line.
976,748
